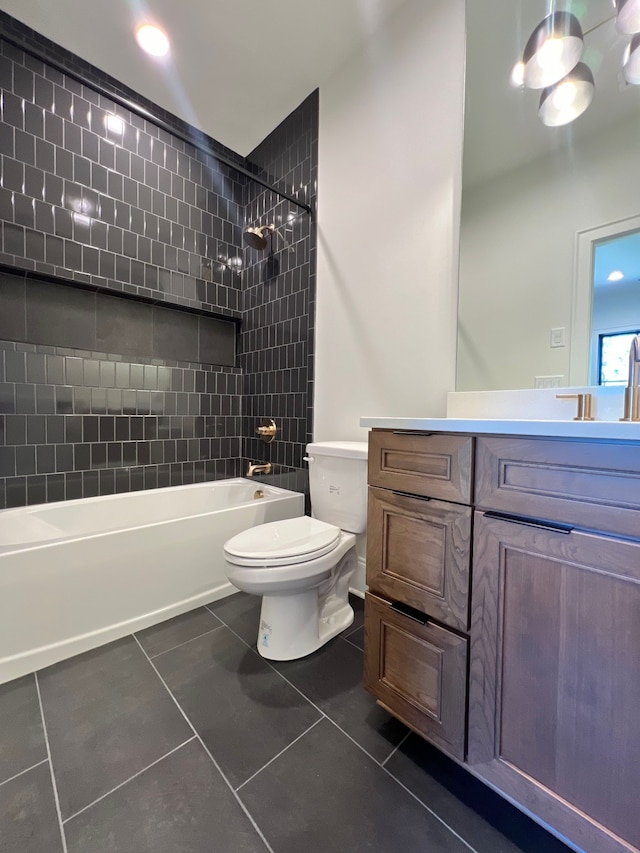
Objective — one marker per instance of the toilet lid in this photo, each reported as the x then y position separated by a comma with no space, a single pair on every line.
283,542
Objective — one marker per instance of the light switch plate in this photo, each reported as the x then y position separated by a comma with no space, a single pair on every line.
558,337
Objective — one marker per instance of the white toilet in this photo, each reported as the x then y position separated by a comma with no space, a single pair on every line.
302,566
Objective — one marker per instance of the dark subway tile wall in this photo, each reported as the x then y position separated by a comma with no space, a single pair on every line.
75,423
45,312
277,337
94,194
126,402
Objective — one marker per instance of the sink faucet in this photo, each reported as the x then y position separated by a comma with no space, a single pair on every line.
258,468
632,391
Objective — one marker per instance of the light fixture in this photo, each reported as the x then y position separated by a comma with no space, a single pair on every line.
516,78
628,16
631,62
153,40
553,50
616,275
568,98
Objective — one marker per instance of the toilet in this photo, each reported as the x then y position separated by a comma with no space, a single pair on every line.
302,566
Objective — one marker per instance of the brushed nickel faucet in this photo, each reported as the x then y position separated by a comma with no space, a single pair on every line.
258,468
632,391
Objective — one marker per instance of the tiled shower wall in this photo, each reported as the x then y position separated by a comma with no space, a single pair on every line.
151,217
276,341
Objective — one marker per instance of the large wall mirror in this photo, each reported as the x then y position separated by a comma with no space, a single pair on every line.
550,215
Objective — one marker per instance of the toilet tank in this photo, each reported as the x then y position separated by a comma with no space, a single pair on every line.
338,483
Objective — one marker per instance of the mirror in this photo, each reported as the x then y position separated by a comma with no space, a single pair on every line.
538,201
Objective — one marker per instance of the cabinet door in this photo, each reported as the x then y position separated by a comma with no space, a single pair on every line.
554,687
436,466
418,672
418,553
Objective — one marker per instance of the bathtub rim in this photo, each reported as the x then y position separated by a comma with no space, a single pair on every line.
272,493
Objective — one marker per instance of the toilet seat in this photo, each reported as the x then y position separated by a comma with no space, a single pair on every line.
282,543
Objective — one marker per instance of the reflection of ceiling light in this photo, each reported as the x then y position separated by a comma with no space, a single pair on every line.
235,262
563,102
628,17
113,123
516,78
631,62
153,40
553,50
616,275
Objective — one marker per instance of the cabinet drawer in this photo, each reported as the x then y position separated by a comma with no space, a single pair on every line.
418,672
436,466
589,485
418,552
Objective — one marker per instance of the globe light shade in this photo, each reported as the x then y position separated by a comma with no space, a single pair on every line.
567,99
553,50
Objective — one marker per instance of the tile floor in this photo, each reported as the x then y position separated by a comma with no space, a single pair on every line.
182,738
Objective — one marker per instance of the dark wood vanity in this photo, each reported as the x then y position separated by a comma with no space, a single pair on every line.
502,621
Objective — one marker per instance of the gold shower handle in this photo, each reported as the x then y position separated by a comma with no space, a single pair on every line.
267,430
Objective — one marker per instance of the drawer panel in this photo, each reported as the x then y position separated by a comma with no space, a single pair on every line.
436,466
418,552
418,672
590,485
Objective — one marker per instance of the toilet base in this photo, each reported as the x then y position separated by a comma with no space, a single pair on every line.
294,625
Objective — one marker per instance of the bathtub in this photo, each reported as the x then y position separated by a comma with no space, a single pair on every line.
78,574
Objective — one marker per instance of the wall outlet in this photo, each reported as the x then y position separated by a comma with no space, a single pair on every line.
549,382
558,337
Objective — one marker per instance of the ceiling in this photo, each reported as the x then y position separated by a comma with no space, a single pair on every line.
236,68
621,253
502,129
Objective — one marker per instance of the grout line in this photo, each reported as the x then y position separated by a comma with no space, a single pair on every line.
120,785
347,640
202,744
431,812
22,772
166,651
53,776
360,747
271,760
395,749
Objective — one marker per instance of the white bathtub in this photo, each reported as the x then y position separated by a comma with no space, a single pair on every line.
78,574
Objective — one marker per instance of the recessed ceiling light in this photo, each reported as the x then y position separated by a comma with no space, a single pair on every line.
153,40
616,275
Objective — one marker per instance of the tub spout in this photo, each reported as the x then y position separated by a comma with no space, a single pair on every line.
632,391
258,468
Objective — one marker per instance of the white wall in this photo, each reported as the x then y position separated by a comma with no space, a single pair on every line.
518,242
389,180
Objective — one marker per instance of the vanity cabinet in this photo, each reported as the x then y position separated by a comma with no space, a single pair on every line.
418,556
551,693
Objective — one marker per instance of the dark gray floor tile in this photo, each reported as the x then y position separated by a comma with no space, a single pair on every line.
332,679
356,637
180,804
244,712
241,612
21,738
324,794
489,823
28,817
160,638
107,716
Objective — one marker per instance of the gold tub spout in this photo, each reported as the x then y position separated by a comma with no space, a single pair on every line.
258,468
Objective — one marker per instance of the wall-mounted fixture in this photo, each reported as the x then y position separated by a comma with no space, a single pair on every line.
256,236
267,430
551,62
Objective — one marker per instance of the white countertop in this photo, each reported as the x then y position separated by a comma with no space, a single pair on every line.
615,430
